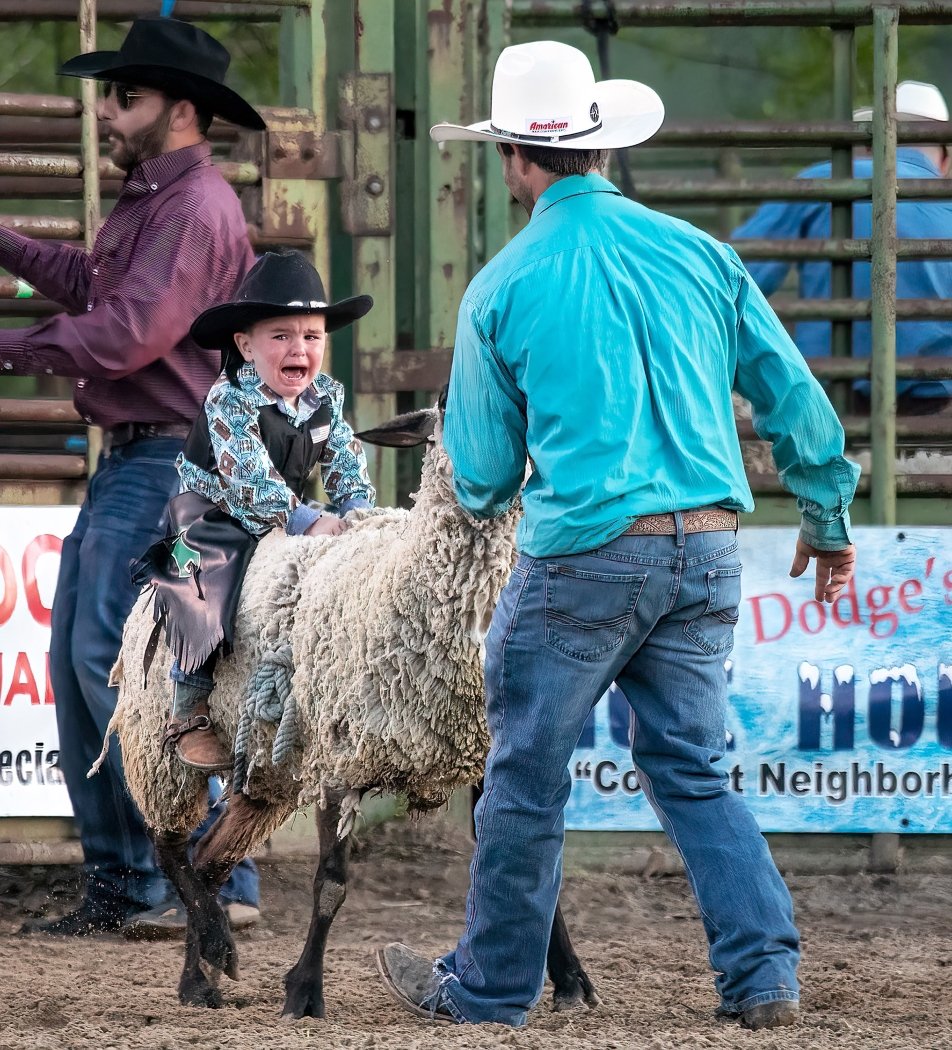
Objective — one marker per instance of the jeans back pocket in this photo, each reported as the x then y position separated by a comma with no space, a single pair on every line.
713,630
587,614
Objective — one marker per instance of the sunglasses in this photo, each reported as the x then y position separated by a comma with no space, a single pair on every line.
124,95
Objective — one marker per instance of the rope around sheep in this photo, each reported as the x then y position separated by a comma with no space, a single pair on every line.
269,700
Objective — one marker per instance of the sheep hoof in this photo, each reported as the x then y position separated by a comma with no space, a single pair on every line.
194,990
300,1004
575,995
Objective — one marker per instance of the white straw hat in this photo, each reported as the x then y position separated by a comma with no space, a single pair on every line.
913,99
545,94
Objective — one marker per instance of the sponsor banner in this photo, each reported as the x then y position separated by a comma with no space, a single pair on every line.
30,542
839,717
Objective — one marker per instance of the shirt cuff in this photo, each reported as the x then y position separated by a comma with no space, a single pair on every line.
301,519
826,535
12,247
355,503
16,357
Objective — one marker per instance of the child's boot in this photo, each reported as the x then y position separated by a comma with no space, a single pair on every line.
191,733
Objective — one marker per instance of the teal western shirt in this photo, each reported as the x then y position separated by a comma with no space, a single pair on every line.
602,343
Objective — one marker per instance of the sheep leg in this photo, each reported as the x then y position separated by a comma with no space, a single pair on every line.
207,935
304,983
572,985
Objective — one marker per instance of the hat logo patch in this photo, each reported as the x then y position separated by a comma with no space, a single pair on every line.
593,112
555,126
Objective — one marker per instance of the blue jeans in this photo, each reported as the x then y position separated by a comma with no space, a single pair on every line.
655,614
119,519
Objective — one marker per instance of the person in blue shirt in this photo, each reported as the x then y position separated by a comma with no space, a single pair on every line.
915,279
601,346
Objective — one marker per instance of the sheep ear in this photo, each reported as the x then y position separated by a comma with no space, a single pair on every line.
412,428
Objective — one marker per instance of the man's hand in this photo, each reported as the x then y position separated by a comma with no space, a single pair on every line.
834,569
327,525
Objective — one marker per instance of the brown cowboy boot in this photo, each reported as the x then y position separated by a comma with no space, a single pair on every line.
195,742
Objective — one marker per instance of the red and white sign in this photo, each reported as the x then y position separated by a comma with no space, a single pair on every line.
30,542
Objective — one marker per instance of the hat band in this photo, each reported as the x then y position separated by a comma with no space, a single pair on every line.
312,304
543,138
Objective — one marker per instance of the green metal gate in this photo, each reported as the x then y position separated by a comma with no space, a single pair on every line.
347,171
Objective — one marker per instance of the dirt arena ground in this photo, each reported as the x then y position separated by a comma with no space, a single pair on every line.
877,965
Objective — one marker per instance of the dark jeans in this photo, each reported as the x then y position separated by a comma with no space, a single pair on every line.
119,519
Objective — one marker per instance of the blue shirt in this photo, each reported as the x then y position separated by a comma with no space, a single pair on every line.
915,279
246,483
603,342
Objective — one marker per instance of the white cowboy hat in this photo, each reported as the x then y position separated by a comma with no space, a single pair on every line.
545,94
915,100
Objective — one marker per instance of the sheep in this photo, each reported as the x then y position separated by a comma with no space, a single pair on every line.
378,633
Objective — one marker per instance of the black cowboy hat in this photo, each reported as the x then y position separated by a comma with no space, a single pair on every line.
279,284
171,56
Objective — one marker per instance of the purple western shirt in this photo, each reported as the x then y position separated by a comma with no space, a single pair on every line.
175,243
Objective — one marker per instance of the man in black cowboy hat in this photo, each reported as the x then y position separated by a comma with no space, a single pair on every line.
174,244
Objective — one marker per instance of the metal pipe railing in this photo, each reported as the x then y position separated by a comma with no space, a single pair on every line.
21,105
90,128
33,466
546,14
37,410
63,166
921,428
750,134
123,10
717,191
906,484
860,367
834,248
860,309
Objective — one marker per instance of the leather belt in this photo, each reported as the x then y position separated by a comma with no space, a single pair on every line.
706,519
126,433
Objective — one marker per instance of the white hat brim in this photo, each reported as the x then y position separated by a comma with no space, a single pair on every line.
630,113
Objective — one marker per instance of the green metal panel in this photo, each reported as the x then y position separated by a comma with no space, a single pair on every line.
883,377
449,25
497,207
369,213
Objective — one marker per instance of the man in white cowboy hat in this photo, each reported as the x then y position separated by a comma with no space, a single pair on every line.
915,278
174,244
601,346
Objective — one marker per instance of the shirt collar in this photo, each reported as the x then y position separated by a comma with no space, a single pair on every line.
308,403
157,172
571,186
915,157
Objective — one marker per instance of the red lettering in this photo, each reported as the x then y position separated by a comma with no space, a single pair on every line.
802,618
48,697
22,683
853,616
907,590
9,587
787,613
45,544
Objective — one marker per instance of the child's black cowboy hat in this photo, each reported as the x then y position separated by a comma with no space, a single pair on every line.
279,284
171,56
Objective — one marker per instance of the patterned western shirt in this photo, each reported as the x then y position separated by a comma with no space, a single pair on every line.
244,465
175,243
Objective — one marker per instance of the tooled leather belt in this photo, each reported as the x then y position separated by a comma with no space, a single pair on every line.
705,519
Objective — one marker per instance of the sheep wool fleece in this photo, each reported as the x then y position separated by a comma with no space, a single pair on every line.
386,624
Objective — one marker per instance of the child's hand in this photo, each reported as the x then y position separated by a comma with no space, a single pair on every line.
327,525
